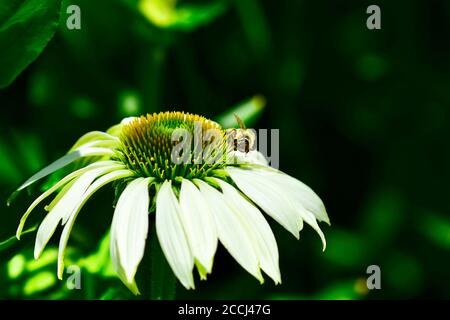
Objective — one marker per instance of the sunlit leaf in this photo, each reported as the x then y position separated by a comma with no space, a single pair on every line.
16,266
166,14
26,27
249,111
39,282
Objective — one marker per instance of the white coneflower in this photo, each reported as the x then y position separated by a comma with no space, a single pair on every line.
196,203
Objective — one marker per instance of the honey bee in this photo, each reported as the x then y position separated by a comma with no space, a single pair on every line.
242,139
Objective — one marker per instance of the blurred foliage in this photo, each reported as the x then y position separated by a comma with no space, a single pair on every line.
249,111
363,118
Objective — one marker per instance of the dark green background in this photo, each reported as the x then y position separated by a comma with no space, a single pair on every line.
363,118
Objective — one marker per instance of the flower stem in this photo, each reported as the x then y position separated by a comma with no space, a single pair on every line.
162,279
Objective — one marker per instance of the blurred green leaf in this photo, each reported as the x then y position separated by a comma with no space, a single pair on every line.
130,103
26,27
403,274
345,290
383,216
249,111
340,290
48,257
165,14
99,262
30,149
9,170
83,108
116,294
346,249
16,266
371,67
437,229
255,25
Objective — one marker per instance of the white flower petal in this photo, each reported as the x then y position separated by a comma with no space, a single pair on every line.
199,225
308,205
260,189
62,162
68,178
304,195
129,229
266,244
172,236
93,136
271,190
97,184
233,231
110,144
65,206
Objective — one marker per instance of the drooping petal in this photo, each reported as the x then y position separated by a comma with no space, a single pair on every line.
271,189
68,178
266,244
172,236
260,189
233,231
304,195
63,209
94,187
60,163
308,205
129,230
199,225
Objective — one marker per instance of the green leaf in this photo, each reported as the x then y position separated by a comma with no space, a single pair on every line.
26,27
11,241
249,111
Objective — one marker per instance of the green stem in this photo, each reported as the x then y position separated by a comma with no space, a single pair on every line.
162,279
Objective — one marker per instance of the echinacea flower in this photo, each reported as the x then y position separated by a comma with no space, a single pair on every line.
198,197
